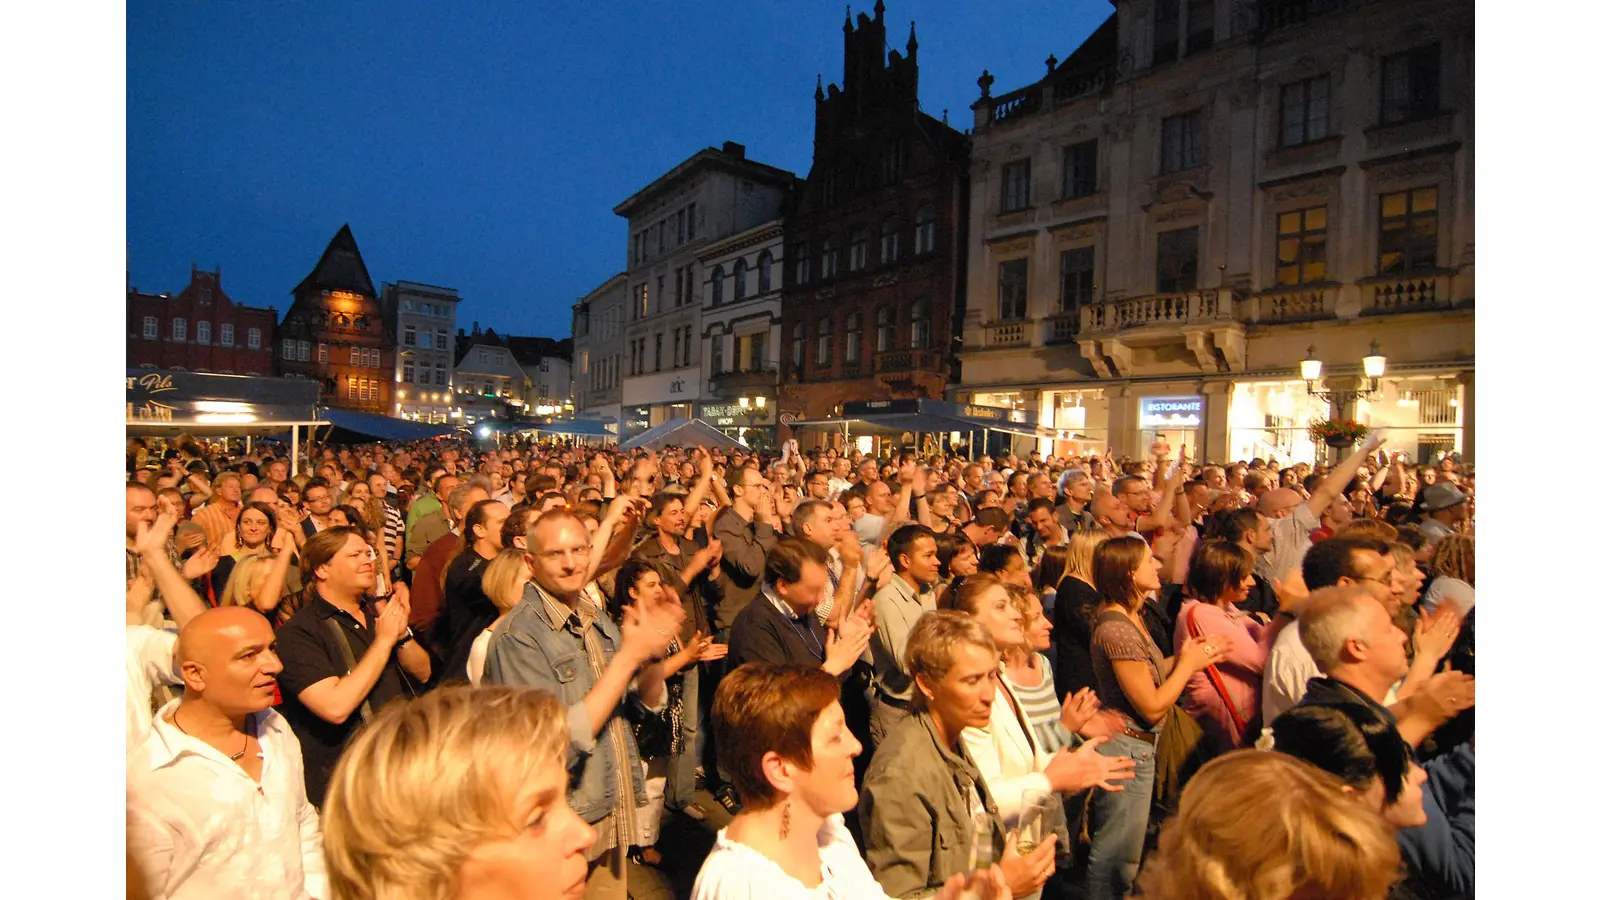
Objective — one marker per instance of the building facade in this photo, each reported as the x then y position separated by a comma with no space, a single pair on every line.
597,348
710,196
424,318
740,311
335,332
874,251
489,383
546,374
1205,194
200,329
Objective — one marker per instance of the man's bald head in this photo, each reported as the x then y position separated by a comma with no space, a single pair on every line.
1279,502
227,660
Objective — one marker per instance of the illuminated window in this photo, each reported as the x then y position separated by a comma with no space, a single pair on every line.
1408,238
1303,245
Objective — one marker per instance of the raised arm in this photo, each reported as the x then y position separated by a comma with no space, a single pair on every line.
1334,484
179,596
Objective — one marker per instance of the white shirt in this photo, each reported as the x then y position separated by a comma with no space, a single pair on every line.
150,661
1291,538
734,871
1010,765
1289,669
476,655
199,827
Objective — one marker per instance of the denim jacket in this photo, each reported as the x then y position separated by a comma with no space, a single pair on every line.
530,648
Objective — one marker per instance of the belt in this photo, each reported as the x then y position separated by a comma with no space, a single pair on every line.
1148,737
897,703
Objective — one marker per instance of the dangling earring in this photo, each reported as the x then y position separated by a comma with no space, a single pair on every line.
783,826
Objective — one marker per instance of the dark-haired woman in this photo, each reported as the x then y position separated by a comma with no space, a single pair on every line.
1133,679
1225,698
1433,807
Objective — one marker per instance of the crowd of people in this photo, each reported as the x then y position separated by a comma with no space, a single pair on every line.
440,670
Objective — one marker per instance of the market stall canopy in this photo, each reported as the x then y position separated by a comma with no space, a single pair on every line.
167,402
576,428
350,426
920,415
682,433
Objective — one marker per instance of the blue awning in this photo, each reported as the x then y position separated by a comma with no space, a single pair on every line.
382,428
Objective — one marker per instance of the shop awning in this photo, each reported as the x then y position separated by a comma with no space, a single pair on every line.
350,425
929,416
165,402
682,433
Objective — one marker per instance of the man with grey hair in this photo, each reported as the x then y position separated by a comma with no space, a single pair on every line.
1353,640
1072,508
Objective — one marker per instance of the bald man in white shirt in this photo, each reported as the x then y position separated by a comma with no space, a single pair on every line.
216,799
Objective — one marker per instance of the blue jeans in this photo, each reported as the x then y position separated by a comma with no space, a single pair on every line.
680,768
1118,822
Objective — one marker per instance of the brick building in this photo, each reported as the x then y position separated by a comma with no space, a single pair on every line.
336,332
200,329
874,263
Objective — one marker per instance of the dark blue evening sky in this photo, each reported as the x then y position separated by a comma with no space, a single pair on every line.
483,145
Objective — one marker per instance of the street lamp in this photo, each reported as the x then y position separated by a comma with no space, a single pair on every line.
760,403
1373,365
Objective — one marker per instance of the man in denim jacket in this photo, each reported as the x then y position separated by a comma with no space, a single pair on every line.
560,639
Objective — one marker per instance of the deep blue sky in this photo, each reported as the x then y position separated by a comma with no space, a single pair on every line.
483,145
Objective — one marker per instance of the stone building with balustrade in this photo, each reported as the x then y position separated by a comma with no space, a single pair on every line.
1164,225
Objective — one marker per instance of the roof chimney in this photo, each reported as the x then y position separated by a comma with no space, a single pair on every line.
733,149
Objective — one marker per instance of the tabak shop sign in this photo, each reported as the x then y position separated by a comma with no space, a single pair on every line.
726,414
1171,412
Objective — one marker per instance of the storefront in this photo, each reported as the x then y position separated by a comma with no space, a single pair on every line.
1272,420
755,426
1421,416
650,400
1173,422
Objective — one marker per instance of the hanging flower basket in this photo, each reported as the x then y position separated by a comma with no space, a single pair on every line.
1338,432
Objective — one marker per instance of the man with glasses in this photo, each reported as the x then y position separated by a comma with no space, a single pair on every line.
1338,561
817,486
560,640
318,502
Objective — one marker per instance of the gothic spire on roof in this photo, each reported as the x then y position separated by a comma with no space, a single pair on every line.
340,268
911,45
819,87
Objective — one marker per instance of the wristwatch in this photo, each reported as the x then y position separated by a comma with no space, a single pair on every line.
405,640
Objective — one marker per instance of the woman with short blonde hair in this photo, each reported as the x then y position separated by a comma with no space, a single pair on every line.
504,579
462,792
1267,826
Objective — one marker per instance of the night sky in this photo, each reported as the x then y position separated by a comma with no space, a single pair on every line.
482,145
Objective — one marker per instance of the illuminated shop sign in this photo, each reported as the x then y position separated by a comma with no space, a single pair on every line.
1171,412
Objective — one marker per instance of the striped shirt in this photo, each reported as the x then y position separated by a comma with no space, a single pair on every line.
1042,708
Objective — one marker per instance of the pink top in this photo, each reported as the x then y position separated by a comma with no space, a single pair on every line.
1240,675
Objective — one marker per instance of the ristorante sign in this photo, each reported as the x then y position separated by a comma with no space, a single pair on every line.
1171,412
